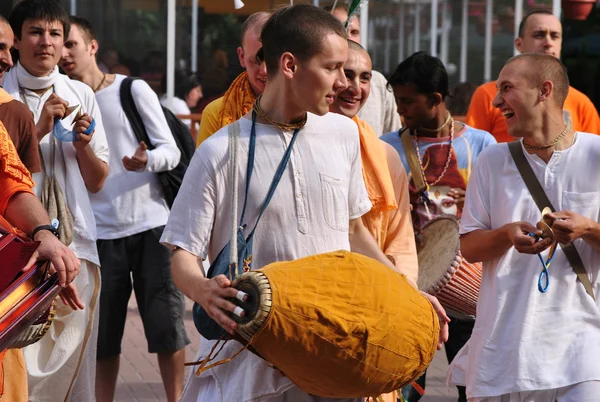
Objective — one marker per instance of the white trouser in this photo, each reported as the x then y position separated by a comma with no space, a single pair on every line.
588,391
62,365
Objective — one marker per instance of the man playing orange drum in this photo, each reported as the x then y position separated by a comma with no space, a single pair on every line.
540,31
534,339
19,208
317,205
242,92
384,175
445,150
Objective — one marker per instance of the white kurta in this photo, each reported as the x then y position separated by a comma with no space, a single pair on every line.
62,365
320,191
525,340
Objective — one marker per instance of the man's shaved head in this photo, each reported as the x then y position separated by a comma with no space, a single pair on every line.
255,22
353,45
250,44
543,67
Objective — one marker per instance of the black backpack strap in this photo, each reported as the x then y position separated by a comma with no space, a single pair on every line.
130,109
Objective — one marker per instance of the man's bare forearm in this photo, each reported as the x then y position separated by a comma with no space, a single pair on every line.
26,212
362,242
93,170
187,272
592,234
481,245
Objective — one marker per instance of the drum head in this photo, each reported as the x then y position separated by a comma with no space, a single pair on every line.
440,249
258,305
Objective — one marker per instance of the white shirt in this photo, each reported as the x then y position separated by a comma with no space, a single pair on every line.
178,106
133,202
380,109
68,173
525,340
320,191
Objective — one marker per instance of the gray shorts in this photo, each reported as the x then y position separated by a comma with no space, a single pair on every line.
144,260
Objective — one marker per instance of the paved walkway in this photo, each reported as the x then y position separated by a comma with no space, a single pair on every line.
139,377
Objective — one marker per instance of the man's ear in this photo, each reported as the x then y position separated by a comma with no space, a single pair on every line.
519,44
288,64
240,53
436,99
94,47
546,90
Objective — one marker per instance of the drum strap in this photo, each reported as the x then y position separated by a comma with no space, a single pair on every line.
542,201
413,160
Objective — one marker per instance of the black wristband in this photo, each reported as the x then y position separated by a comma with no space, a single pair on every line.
50,228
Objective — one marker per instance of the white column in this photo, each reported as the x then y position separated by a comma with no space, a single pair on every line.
170,51
518,18
417,33
401,33
487,54
446,25
556,8
464,40
73,7
433,30
316,3
194,49
372,27
387,41
364,26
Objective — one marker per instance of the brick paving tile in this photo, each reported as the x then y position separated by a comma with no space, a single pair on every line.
139,377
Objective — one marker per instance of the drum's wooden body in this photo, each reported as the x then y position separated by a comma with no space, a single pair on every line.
341,325
27,301
443,272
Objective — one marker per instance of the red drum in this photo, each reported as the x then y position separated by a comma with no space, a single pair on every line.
26,298
443,272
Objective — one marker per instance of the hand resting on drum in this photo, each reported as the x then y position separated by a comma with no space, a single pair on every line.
444,319
211,294
62,258
62,261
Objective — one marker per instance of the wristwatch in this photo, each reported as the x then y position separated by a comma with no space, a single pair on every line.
50,228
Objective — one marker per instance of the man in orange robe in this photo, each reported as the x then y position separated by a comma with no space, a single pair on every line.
242,92
389,221
541,32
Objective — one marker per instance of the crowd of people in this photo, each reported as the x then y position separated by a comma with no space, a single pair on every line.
368,164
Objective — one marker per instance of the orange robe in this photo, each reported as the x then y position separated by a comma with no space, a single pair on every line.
484,116
389,221
236,102
14,178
